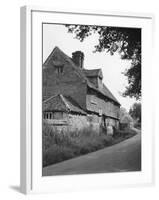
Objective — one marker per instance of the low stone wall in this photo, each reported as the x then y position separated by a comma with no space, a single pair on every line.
71,123
58,125
75,123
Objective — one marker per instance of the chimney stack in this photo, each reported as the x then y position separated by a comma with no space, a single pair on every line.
78,58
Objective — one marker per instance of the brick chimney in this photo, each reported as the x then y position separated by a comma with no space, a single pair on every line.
78,58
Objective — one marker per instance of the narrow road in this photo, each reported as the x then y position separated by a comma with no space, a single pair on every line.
122,157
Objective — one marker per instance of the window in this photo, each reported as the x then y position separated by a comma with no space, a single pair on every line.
54,115
93,100
60,69
47,115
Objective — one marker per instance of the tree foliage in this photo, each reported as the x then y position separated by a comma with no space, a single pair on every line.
125,41
122,112
124,116
135,112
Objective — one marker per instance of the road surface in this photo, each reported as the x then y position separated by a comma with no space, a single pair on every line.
122,157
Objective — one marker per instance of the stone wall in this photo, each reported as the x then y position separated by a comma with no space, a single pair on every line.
75,123
69,124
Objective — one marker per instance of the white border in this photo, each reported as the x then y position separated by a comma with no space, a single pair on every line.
31,88
25,103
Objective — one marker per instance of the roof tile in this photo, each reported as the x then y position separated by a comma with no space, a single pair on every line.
83,73
62,103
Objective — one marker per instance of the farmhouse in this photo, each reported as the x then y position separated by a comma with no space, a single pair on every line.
75,97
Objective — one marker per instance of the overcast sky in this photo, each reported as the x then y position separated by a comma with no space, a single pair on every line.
112,66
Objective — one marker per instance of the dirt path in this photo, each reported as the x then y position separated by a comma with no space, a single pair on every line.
124,156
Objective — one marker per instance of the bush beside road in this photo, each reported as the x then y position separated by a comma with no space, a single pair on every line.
60,147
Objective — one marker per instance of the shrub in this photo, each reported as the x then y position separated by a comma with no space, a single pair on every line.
137,125
125,133
58,147
56,154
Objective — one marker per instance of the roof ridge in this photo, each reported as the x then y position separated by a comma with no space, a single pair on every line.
81,74
50,55
63,99
93,72
69,104
68,97
50,98
73,103
92,69
67,58
114,98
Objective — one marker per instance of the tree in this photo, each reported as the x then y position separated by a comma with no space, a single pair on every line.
122,112
124,116
135,112
125,41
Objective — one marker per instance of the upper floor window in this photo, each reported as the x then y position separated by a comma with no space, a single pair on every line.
60,69
59,66
93,100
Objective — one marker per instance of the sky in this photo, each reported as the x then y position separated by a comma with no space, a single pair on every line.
112,66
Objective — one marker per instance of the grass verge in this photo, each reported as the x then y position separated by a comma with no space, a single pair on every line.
58,147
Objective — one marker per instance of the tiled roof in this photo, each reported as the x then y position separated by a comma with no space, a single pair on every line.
54,103
93,72
108,93
62,103
82,73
